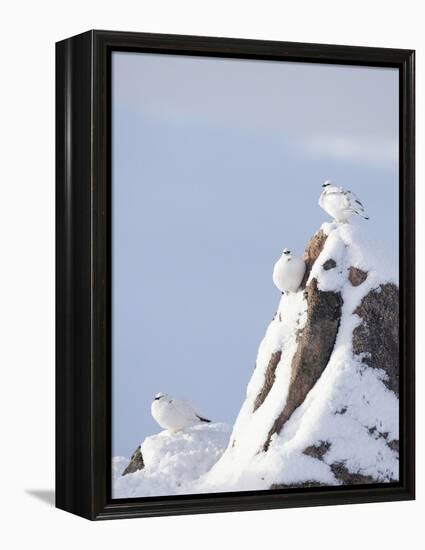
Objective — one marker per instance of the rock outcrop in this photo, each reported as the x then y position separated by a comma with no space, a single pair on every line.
136,463
356,276
315,345
321,407
322,404
312,252
269,378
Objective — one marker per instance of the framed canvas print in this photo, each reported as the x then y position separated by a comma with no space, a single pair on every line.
235,274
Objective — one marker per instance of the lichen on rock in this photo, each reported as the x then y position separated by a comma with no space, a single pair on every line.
376,338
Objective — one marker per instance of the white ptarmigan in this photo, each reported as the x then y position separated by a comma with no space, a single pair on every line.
339,203
173,414
288,272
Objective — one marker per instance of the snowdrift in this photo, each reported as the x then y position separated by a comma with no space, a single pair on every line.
172,462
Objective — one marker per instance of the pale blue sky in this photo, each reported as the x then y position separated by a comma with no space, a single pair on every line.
216,167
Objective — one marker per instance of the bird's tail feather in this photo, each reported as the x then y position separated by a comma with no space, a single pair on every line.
203,419
356,212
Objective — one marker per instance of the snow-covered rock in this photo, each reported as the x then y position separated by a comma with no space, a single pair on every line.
173,461
322,404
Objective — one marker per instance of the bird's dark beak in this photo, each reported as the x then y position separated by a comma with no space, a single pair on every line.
156,398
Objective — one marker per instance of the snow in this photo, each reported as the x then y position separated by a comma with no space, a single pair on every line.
361,250
119,464
173,461
349,406
250,429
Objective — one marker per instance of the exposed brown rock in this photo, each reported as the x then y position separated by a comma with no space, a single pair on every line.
356,276
314,349
312,252
304,484
269,379
318,450
329,264
136,463
341,472
377,336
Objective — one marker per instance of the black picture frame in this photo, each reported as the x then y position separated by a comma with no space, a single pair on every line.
83,315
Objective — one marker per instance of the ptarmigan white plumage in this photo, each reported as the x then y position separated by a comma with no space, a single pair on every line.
288,272
173,414
339,203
